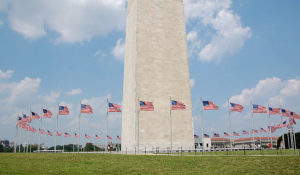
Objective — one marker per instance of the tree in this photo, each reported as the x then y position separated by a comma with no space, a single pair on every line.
286,140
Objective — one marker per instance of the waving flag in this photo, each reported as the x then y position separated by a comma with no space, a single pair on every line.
41,131
236,107
108,137
196,136
284,124
87,136
97,137
259,109
35,115
274,111
245,132
20,123
255,131
114,107
177,105
63,110
209,105
146,106
263,130
236,134
76,135
24,119
284,113
87,109
226,134
67,134
33,130
58,133
206,136
19,118
47,113
118,138
49,133
216,135
272,129
297,116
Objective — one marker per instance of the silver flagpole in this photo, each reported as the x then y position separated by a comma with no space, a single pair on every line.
202,124
270,136
106,130
282,133
229,117
63,136
295,142
79,127
39,146
55,137
171,126
20,140
252,125
16,136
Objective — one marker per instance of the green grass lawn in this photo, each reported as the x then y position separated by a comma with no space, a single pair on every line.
156,164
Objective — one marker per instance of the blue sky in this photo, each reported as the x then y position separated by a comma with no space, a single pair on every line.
64,52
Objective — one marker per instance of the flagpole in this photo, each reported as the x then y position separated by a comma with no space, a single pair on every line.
56,129
63,136
270,136
295,141
282,133
171,126
202,124
20,140
229,117
78,140
16,136
252,125
39,146
106,130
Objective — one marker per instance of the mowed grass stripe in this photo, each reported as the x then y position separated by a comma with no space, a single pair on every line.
129,164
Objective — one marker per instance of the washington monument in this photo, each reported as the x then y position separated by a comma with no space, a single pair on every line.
156,70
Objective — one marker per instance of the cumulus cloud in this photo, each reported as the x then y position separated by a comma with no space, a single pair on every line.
192,35
273,91
7,74
74,92
119,50
73,21
229,34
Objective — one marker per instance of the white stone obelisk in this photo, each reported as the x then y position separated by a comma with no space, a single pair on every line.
156,68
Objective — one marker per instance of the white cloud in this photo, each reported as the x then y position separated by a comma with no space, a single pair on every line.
192,35
74,92
192,82
74,21
119,50
229,34
7,74
272,91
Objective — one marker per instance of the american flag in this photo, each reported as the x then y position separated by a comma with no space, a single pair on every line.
284,124
67,134
58,133
284,113
20,123
245,132
76,135
255,131
24,119
41,131
236,107
177,105
114,107
33,130
108,137
86,109
209,105
274,111
297,116
272,129
19,118
196,136
97,137
118,138
206,135
259,109
63,110
87,136
292,122
146,106
263,130
49,133
216,135
47,113
236,134
226,134
35,115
